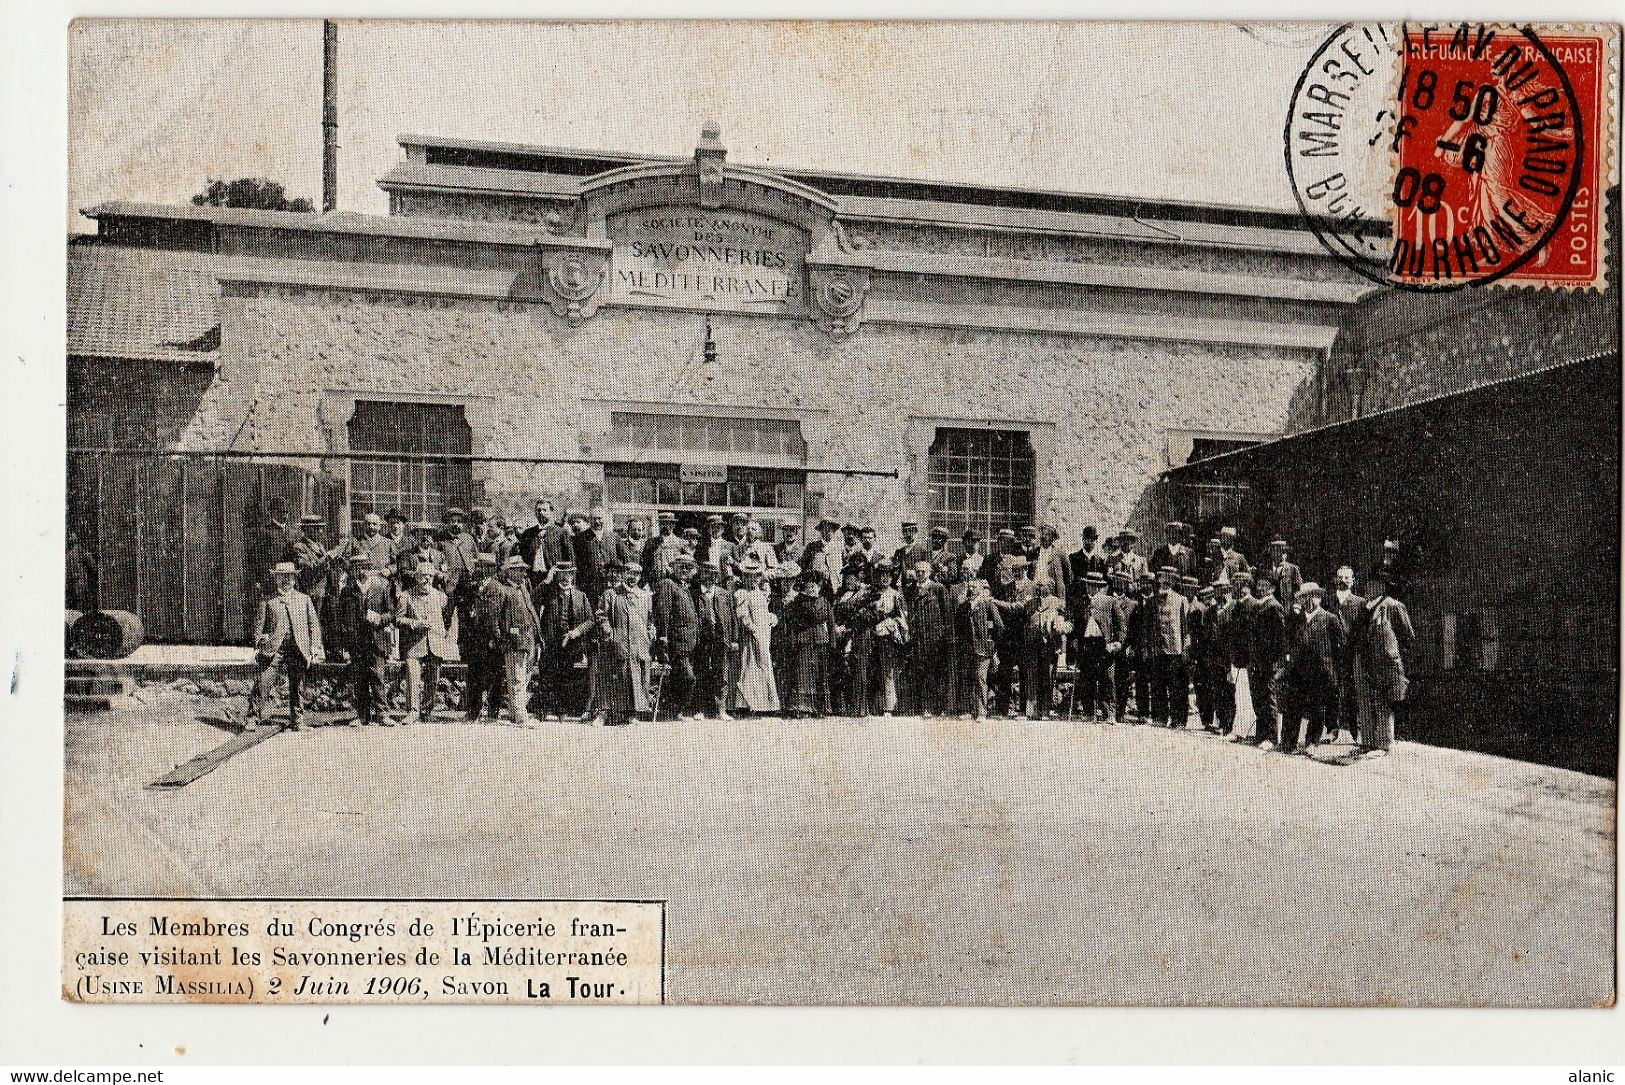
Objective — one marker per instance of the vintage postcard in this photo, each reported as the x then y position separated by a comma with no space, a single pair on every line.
975,514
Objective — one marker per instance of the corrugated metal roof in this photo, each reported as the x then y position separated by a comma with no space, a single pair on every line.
146,304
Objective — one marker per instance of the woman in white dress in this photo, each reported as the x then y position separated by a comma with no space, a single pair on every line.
758,692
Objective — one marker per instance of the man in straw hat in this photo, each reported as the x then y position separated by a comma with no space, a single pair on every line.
423,615
287,635
517,628
1315,647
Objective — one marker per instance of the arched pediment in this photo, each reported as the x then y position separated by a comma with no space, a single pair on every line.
709,183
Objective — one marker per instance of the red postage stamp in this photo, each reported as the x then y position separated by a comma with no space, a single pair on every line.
1503,143
1438,156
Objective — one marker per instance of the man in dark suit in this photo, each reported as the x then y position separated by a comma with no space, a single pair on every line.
566,640
1015,597
1234,560
591,556
287,634
978,626
1098,634
1176,551
1166,630
929,683
1266,651
1287,576
1315,651
1127,602
911,552
476,643
717,647
544,544
1212,658
1347,605
368,609
677,633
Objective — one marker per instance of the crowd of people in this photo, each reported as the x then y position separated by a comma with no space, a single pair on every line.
576,619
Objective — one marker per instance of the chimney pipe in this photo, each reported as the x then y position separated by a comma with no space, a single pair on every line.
330,115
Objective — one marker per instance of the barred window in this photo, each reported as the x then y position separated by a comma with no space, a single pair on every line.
982,479
421,489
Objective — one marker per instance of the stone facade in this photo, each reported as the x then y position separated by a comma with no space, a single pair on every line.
529,378
1110,332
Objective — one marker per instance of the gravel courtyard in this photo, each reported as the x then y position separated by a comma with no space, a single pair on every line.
905,860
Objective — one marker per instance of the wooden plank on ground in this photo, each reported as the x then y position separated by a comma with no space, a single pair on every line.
205,763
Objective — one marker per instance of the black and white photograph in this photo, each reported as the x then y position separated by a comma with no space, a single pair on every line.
841,514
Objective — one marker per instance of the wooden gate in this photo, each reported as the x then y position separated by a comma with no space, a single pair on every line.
169,534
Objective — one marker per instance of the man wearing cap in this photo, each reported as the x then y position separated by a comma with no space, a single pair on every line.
367,609
476,643
459,548
1131,562
544,544
287,634
1097,637
978,625
911,551
313,560
1168,629
1266,653
1015,597
941,559
1237,616
423,616
823,554
517,628
1122,592
1288,579
1050,566
1315,649
427,555
1211,568
677,634
1176,551
1143,645
716,651
1211,658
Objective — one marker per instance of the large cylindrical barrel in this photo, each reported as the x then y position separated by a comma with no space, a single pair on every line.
107,634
